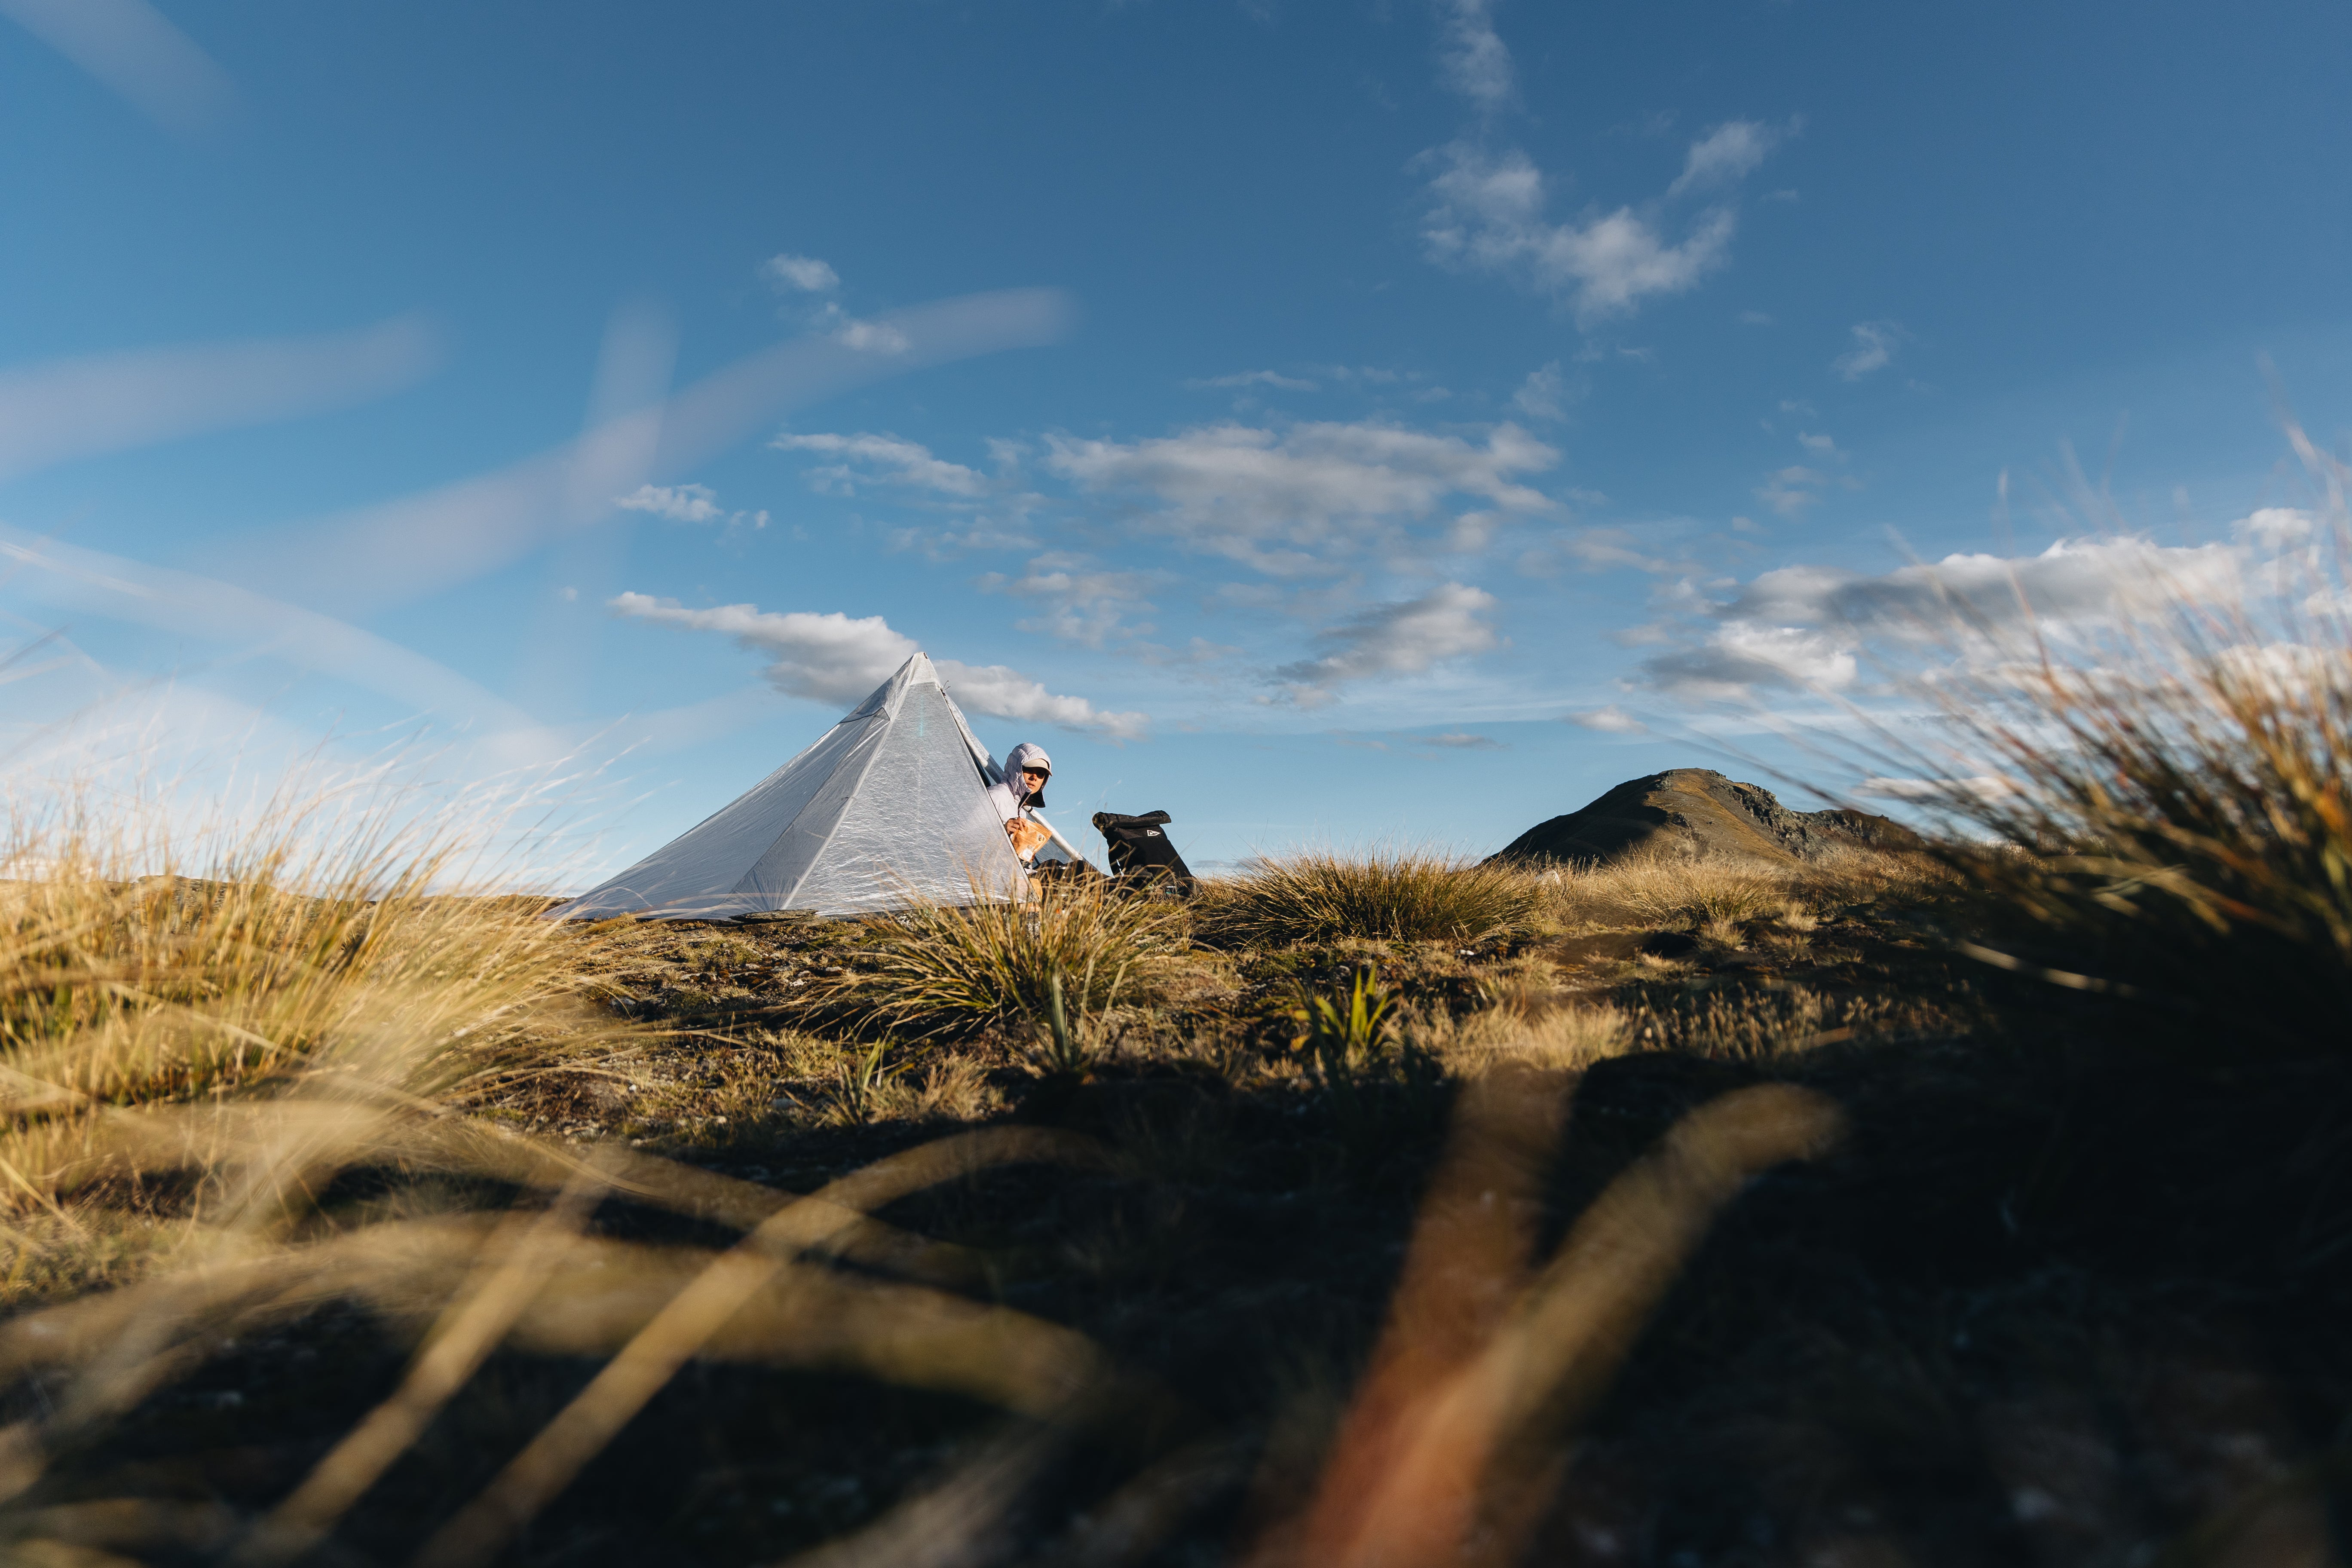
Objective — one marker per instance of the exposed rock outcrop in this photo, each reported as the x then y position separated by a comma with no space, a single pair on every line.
1698,813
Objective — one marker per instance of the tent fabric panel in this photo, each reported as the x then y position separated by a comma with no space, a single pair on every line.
890,805
711,855
777,872
918,828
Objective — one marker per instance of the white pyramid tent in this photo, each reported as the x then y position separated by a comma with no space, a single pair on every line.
890,805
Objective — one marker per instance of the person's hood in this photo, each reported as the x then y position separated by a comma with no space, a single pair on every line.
1027,754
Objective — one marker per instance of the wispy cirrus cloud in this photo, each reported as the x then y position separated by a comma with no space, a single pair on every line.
1610,719
687,503
1726,155
1079,600
836,658
1542,396
1807,628
450,534
803,274
873,457
1254,378
129,46
1488,215
1472,58
73,409
1488,212
1789,490
88,584
1309,499
1407,638
807,283
1874,343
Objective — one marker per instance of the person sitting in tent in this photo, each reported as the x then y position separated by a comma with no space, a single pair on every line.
1017,799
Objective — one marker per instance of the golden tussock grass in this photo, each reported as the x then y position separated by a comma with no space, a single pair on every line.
146,1021
1396,895
206,1056
1671,892
2162,808
1076,952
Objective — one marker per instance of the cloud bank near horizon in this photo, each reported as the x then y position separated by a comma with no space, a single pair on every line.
839,659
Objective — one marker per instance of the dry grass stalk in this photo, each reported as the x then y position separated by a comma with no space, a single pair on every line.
1567,1039
2169,798
689,1321
1671,892
1447,1454
509,1273
368,989
1392,895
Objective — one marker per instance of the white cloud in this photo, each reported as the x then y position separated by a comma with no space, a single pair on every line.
836,659
1077,604
882,459
1806,627
798,276
1489,217
1874,343
2275,526
1254,378
1404,638
1600,549
2072,583
872,337
1196,652
1726,155
1792,489
2287,672
1739,657
687,503
1472,60
804,273
1305,500
1821,446
681,503
1462,741
1610,721
948,543
1538,396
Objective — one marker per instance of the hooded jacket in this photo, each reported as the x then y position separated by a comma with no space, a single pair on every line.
1008,797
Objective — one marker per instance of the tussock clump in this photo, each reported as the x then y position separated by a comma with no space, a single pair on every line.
2206,820
2170,805
1406,895
128,1006
943,970
1667,892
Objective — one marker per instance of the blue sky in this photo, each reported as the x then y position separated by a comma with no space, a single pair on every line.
1325,421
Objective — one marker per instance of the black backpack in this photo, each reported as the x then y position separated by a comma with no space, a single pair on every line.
1140,853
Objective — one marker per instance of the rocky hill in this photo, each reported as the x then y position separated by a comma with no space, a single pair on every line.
1699,813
